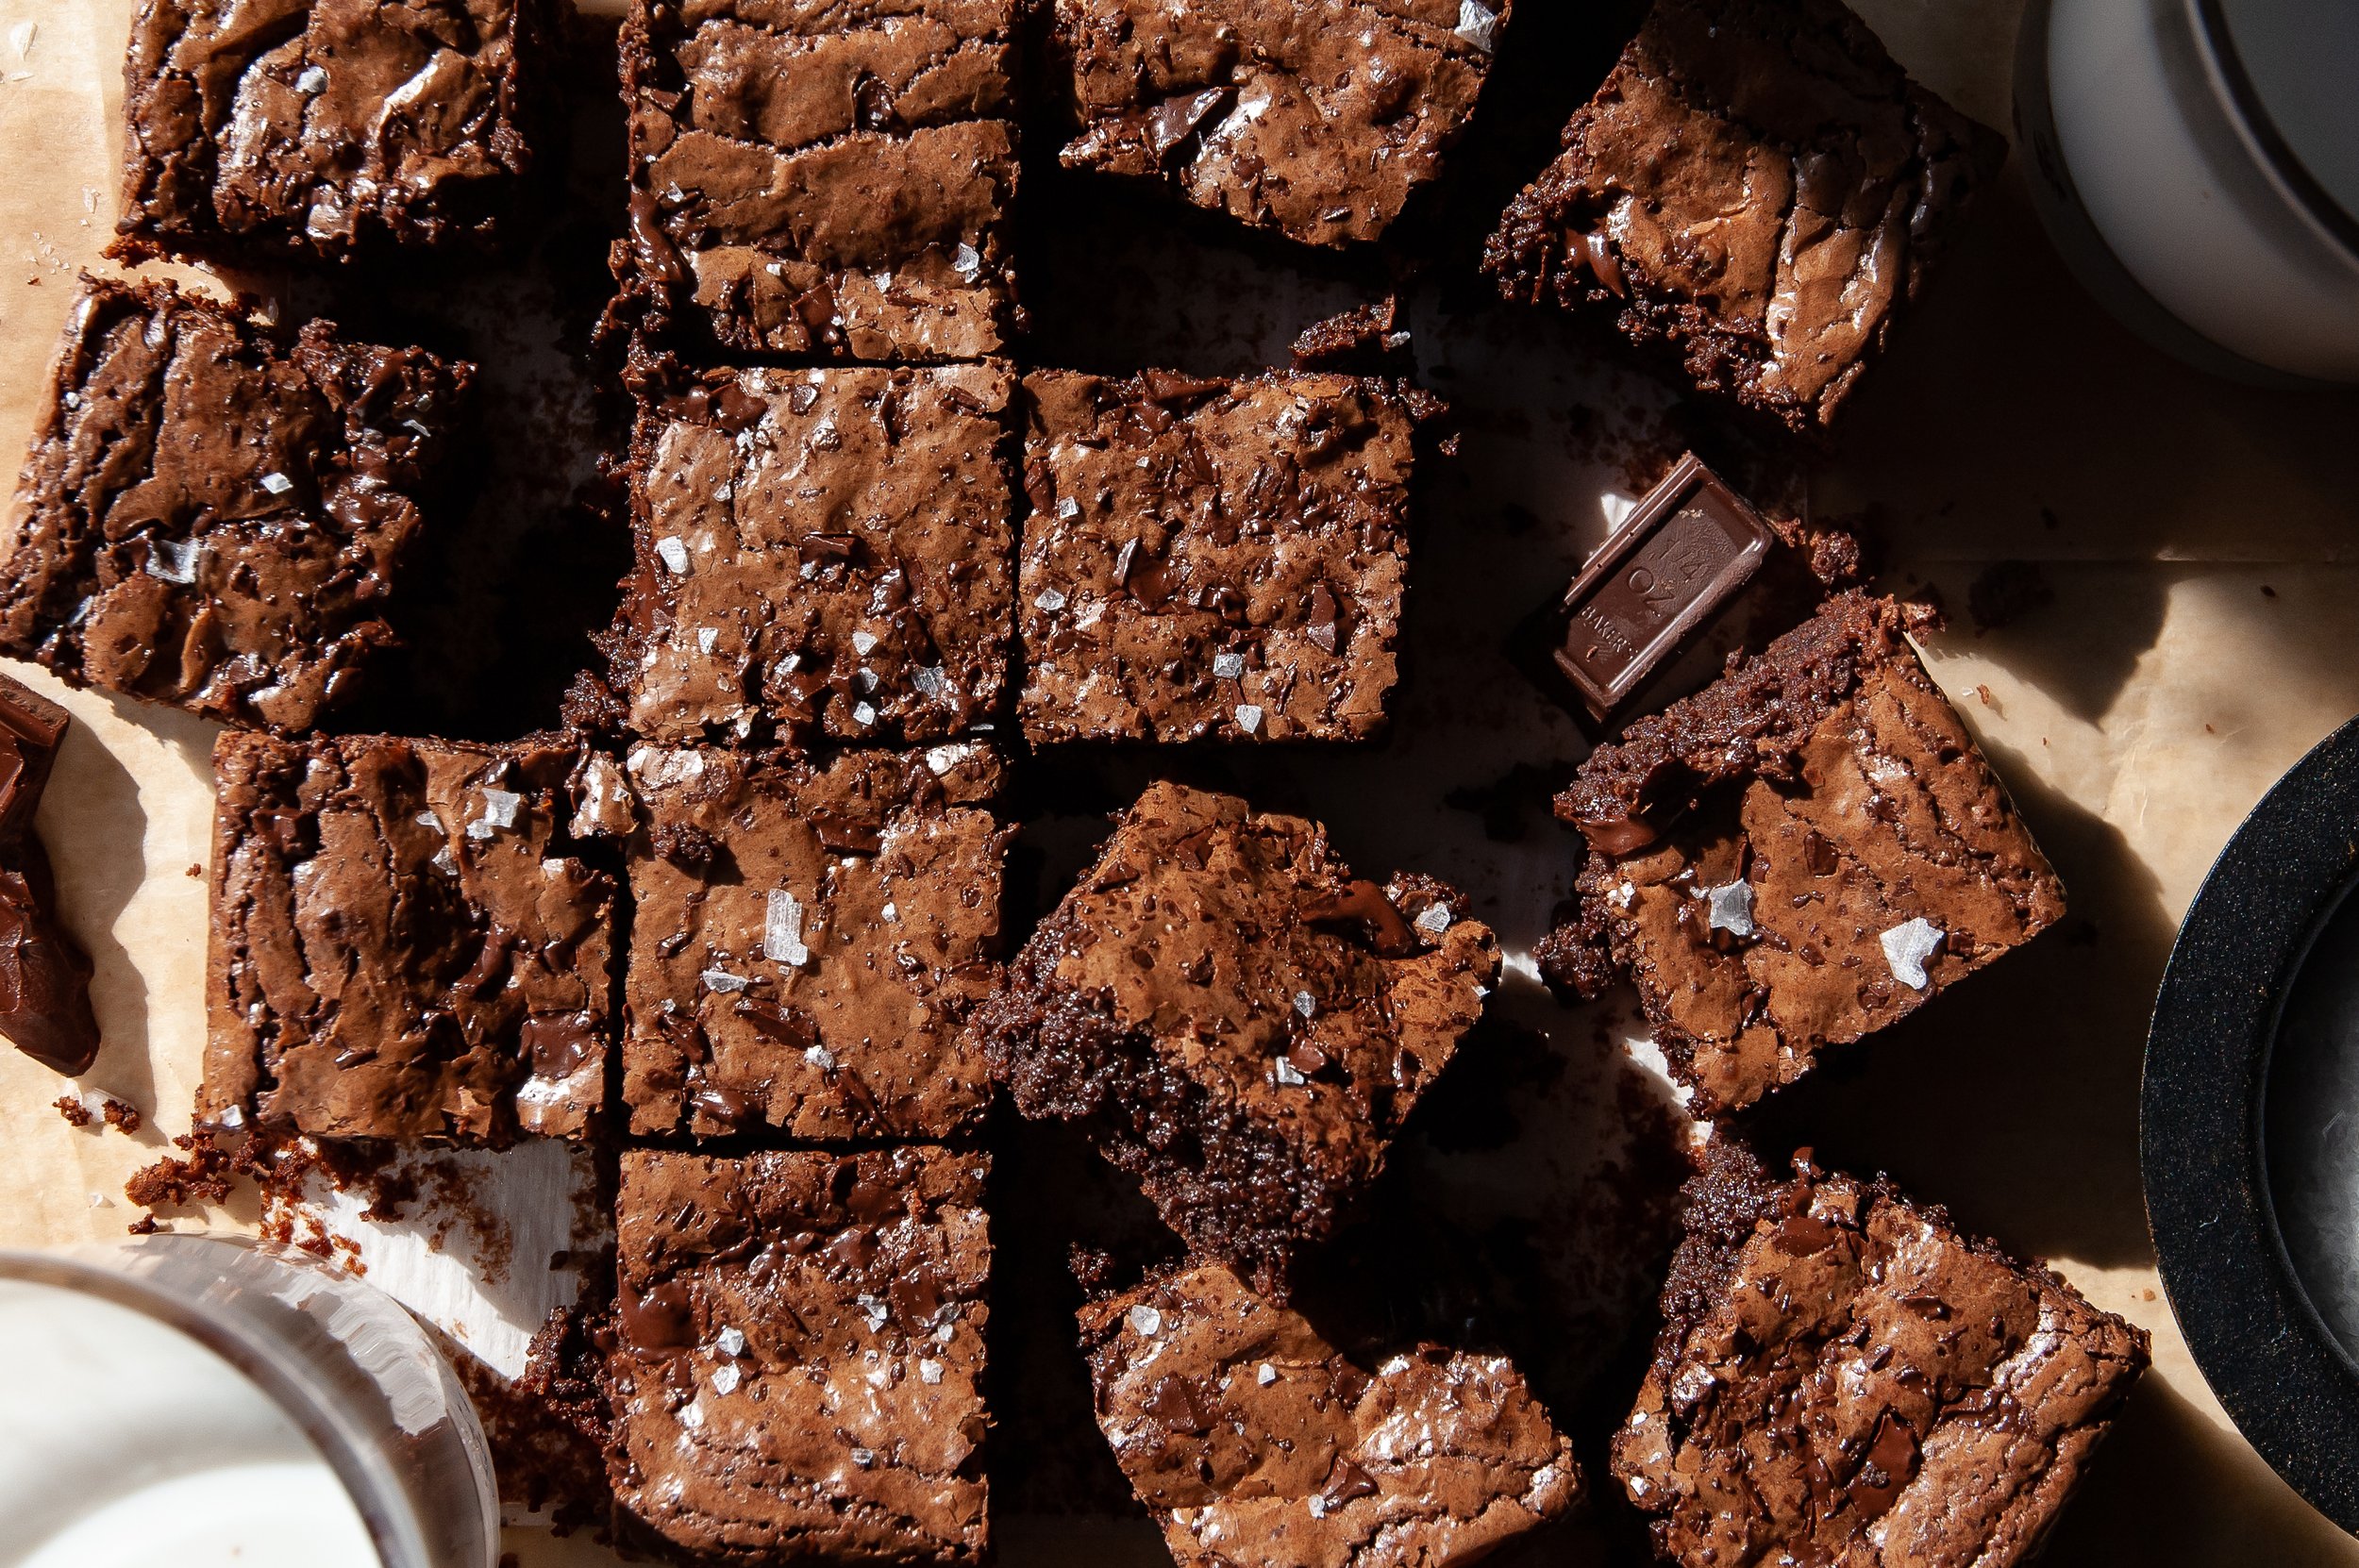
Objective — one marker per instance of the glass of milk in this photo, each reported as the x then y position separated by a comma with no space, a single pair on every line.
209,1402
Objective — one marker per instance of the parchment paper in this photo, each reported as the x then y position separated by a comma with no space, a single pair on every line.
2195,538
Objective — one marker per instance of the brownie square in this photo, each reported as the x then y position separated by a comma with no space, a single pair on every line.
1844,1377
1317,118
1236,1021
326,128
798,1361
1757,189
210,521
807,941
1213,559
405,944
822,555
1252,1439
1795,856
823,180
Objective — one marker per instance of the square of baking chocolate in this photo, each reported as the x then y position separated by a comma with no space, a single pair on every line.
1219,558
1317,118
1844,1377
799,1359
326,128
822,555
1236,1021
1801,854
1250,1438
823,178
1757,189
210,520
405,944
807,941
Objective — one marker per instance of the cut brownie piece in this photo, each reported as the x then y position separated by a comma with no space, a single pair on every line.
1316,118
1213,557
322,128
403,945
822,554
831,180
1252,1439
1798,854
808,941
799,1357
1844,1377
1236,1021
208,520
1758,187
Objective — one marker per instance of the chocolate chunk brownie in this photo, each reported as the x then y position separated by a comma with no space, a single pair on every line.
1845,1379
1236,1021
323,128
208,520
1213,557
1800,854
799,1359
1252,1439
1316,118
1758,188
808,942
823,180
404,946
45,975
822,554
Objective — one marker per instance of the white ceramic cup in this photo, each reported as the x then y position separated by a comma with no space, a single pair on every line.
2196,162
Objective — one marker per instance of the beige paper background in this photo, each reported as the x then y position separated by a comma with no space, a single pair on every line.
2199,541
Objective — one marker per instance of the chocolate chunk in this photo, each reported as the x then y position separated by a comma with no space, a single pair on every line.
31,729
44,978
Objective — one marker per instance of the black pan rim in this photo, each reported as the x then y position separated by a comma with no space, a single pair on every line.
2246,1320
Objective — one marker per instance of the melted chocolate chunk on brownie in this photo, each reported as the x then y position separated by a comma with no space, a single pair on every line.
1843,1378
1252,1439
209,521
798,1362
822,554
403,947
823,180
1795,857
323,128
1317,118
1236,1021
1758,188
812,965
1213,557
45,975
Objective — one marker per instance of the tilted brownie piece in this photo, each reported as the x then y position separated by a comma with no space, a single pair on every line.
822,554
403,945
45,975
1213,558
1759,189
808,941
832,180
1236,1021
323,128
1800,854
207,520
798,1363
1252,1439
1844,1377
1316,118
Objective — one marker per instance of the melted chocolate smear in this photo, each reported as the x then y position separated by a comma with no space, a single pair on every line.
663,1319
1175,1403
1388,933
1346,1482
1885,1469
717,1103
557,1044
45,982
788,1026
650,247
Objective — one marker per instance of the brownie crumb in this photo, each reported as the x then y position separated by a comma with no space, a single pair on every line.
122,1117
203,1178
74,1111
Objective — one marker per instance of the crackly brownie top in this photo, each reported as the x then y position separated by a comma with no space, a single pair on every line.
1759,173
402,945
208,520
1213,557
1844,1377
318,125
1315,117
806,941
1252,1439
800,1354
822,552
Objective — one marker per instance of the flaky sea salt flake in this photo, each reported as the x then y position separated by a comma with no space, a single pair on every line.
1146,1319
782,929
1729,907
1907,947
